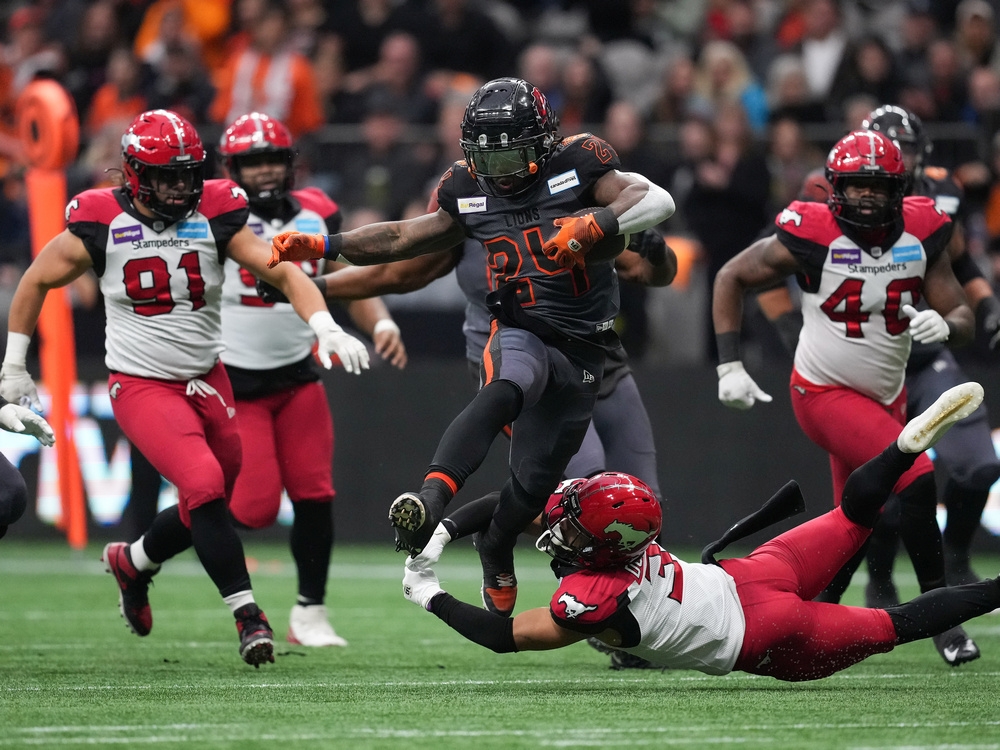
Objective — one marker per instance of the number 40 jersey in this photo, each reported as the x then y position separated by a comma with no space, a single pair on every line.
854,332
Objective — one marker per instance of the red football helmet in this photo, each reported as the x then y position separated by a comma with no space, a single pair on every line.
161,146
601,522
867,158
254,139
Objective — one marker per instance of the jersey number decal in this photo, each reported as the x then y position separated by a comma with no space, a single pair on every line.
506,259
844,305
601,150
677,587
147,283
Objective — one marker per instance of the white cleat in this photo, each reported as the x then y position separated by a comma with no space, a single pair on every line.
310,626
924,430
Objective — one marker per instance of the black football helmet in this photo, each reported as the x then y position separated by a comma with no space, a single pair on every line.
508,133
905,130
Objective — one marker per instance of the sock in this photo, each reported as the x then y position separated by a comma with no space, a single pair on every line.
884,543
869,486
468,439
920,533
965,508
474,516
139,557
219,548
311,541
515,510
166,536
239,599
942,609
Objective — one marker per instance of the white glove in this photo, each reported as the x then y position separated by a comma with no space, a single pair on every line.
335,340
926,326
16,384
431,552
16,418
420,586
736,388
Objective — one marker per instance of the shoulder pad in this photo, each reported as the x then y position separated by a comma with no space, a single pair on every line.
922,217
222,196
807,219
316,200
98,206
589,597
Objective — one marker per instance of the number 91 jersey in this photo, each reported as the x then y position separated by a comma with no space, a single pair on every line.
263,335
162,284
854,332
576,301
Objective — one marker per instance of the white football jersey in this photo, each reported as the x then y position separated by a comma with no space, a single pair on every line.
261,335
688,615
854,332
162,285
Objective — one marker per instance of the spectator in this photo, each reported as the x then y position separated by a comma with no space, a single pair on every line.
361,25
397,74
677,99
823,45
788,93
586,93
269,77
89,51
723,77
868,67
790,159
182,84
120,98
456,36
625,129
975,35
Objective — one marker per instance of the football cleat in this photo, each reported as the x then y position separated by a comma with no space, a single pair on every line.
414,518
881,594
924,430
956,647
256,636
620,659
499,588
133,587
310,626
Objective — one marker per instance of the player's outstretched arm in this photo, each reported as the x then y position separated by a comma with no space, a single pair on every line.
375,243
947,299
372,316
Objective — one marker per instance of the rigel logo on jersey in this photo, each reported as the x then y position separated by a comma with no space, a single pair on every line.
126,234
563,181
475,205
907,253
307,226
193,230
574,607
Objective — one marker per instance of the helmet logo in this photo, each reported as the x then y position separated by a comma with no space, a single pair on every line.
631,536
541,106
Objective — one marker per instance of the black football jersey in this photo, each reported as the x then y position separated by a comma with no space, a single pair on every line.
580,302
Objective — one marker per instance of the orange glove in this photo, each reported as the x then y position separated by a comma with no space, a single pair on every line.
577,234
296,246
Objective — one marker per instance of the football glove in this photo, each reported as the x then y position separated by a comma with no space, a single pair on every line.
296,246
576,235
431,552
420,586
926,326
333,339
16,418
17,386
736,387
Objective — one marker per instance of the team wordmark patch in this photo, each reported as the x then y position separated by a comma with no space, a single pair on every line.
475,205
126,234
563,181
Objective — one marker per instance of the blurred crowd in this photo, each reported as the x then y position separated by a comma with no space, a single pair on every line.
726,103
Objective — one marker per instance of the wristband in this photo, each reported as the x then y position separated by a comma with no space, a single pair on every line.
965,269
607,221
17,349
728,345
322,322
385,324
331,246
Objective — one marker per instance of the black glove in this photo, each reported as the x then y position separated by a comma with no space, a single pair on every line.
650,244
988,321
271,294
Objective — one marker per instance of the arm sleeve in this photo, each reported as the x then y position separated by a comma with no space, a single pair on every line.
478,625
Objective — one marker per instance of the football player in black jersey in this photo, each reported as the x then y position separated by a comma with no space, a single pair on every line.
520,191
13,492
967,454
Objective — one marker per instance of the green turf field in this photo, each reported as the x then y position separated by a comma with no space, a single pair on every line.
71,674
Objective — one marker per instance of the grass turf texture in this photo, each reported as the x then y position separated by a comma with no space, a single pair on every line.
71,673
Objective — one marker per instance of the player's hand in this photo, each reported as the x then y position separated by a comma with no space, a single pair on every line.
389,343
736,387
16,418
926,326
17,386
296,246
576,235
431,552
420,586
352,352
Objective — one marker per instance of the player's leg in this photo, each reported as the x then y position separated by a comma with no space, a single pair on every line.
883,544
305,419
256,497
13,495
516,369
590,459
626,433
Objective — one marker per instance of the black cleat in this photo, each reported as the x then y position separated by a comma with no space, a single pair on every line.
256,636
414,520
956,647
499,582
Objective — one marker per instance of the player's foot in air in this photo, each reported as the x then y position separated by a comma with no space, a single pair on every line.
256,637
133,587
956,647
924,430
499,582
310,626
414,517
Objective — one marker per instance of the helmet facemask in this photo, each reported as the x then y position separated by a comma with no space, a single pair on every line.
874,216
269,189
171,192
